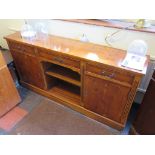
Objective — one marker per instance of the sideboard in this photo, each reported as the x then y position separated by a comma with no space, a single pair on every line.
84,76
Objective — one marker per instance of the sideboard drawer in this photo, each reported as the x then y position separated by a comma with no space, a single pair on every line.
57,58
110,73
21,48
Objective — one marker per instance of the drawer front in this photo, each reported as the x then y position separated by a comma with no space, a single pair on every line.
110,73
59,58
21,48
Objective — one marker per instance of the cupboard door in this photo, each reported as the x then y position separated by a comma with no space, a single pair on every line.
29,69
104,97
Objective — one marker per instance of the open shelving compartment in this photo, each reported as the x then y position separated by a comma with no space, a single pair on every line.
63,82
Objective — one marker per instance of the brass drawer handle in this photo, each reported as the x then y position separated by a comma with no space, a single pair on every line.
55,59
61,60
112,75
103,72
106,75
18,46
58,59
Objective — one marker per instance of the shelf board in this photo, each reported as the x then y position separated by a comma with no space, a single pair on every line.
65,94
66,75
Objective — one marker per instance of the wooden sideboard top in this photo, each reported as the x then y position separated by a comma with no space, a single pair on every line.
88,51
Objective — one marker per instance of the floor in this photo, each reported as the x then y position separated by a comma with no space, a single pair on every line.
46,117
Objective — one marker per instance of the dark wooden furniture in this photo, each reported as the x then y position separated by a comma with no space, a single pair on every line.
144,123
86,77
9,96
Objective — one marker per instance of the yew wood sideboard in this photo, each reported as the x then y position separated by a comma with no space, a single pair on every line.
9,96
86,77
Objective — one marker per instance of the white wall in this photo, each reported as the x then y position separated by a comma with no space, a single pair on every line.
7,26
95,34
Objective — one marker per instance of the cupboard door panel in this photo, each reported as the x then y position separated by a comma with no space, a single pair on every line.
29,69
105,98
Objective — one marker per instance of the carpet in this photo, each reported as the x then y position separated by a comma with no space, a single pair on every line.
9,120
50,118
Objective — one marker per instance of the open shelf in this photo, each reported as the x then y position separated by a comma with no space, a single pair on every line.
65,91
63,73
62,82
